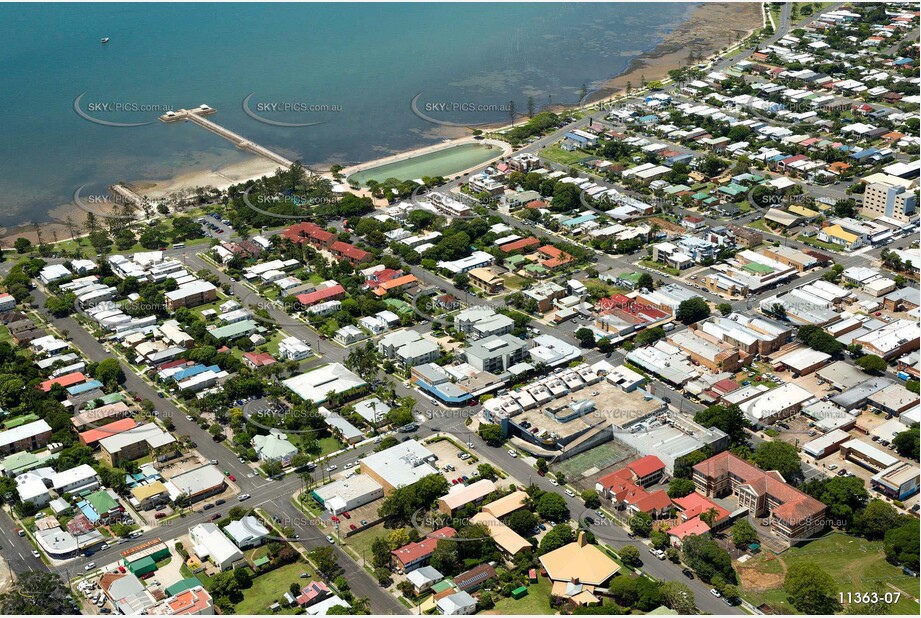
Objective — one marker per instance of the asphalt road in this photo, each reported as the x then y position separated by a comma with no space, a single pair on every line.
274,496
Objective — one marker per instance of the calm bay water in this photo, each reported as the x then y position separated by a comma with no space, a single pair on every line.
366,60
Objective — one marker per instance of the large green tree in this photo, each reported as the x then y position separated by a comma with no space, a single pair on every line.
728,418
780,456
692,310
811,589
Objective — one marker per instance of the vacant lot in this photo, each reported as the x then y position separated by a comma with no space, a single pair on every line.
535,603
269,588
857,564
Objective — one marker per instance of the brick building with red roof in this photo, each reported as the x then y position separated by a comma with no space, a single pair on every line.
793,515
350,252
310,233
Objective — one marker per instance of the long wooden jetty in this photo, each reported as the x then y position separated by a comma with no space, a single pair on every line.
197,115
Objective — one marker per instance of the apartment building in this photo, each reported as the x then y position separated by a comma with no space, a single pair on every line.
889,199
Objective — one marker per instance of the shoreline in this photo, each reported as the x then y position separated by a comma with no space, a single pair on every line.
704,32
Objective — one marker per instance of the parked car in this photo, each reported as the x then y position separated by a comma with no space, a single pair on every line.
715,592
330,539
159,515
36,554
243,497
89,566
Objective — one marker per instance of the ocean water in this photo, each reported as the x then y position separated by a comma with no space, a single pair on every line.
350,71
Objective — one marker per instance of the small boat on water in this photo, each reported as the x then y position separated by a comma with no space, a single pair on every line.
104,40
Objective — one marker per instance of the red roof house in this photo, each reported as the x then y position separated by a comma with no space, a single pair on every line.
334,292
413,555
69,379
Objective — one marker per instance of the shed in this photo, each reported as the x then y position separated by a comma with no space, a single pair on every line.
142,567
519,592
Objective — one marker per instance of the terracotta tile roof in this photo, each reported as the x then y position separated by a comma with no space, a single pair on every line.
312,298
412,552
795,505
656,501
349,251
691,527
96,434
644,466
524,243
726,386
392,284
303,231
695,504
66,380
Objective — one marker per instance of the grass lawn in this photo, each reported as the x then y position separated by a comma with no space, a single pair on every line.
515,282
361,543
329,444
536,602
856,564
563,157
5,334
761,225
269,588
660,267
819,244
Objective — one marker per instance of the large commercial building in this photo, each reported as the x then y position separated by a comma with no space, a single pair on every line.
316,384
793,515
399,465
197,484
209,543
347,494
899,481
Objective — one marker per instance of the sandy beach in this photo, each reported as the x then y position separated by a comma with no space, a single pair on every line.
220,178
